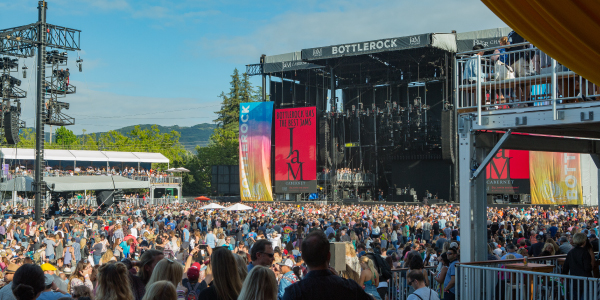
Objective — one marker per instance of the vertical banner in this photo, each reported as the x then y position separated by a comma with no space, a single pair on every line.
255,151
555,178
508,172
296,150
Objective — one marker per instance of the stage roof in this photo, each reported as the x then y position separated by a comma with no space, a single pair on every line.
84,155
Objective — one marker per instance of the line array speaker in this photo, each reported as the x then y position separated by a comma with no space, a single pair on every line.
448,135
11,126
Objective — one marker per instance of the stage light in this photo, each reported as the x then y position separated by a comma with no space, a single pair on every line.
24,71
80,64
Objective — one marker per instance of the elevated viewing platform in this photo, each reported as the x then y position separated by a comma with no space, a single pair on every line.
519,87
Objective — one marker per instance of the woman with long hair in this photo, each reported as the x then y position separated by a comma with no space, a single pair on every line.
161,290
259,285
167,269
226,283
368,277
28,282
113,282
107,257
81,276
352,259
242,266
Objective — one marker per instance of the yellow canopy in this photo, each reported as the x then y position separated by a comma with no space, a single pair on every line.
567,30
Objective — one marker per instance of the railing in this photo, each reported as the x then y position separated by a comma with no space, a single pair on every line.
555,260
398,286
153,180
479,282
349,178
523,76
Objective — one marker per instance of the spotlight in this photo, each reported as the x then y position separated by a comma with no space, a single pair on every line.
79,64
24,71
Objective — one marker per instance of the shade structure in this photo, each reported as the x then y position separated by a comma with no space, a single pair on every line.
565,30
212,206
171,170
202,198
181,170
238,206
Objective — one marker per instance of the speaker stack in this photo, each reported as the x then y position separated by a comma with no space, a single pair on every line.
447,136
11,126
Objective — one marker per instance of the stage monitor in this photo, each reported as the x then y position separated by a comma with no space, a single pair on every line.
296,150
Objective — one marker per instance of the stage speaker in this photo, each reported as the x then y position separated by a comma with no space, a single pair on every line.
11,126
338,256
105,197
448,135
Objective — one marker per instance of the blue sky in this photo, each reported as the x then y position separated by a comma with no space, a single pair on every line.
166,62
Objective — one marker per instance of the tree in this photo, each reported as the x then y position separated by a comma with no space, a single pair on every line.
65,138
241,91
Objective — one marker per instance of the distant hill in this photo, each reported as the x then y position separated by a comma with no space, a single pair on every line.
197,135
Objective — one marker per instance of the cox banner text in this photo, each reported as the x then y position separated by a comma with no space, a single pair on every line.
296,150
255,151
508,172
555,178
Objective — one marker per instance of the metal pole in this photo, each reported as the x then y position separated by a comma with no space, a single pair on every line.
554,89
333,137
478,92
39,110
375,143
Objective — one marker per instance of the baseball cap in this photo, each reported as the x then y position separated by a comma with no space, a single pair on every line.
48,279
288,262
48,267
193,273
592,236
539,237
196,265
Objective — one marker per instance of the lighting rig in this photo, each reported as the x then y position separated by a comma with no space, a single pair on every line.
33,40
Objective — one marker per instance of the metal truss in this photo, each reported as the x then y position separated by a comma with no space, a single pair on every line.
255,69
21,41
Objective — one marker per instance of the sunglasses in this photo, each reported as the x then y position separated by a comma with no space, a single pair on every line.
271,255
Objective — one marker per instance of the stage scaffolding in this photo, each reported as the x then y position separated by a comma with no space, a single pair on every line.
383,108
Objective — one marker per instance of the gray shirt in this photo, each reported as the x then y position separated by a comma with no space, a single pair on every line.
425,293
564,248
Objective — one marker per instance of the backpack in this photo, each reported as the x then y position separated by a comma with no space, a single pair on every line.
383,268
192,295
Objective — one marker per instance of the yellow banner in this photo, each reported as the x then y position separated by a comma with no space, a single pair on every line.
555,178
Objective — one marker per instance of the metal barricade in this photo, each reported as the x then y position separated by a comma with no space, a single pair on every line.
479,282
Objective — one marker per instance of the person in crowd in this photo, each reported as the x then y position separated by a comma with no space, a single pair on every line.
226,283
51,292
113,282
28,282
416,280
259,285
288,276
9,273
450,280
262,254
161,290
81,292
368,277
192,283
81,276
321,282
167,269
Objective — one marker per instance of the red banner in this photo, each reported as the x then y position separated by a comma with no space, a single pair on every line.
508,173
296,150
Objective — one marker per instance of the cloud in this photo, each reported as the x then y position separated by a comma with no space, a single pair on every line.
350,21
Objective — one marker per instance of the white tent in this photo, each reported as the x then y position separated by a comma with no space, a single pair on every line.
212,206
239,206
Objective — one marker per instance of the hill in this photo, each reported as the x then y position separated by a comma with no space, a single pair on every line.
197,135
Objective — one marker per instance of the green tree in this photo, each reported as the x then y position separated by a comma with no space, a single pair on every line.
241,91
66,138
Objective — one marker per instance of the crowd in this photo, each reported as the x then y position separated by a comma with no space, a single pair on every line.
274,251
89,171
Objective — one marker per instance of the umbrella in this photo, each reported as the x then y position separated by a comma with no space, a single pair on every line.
48,168
212,206
202,198
239,206
171,170
182,170
287,229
